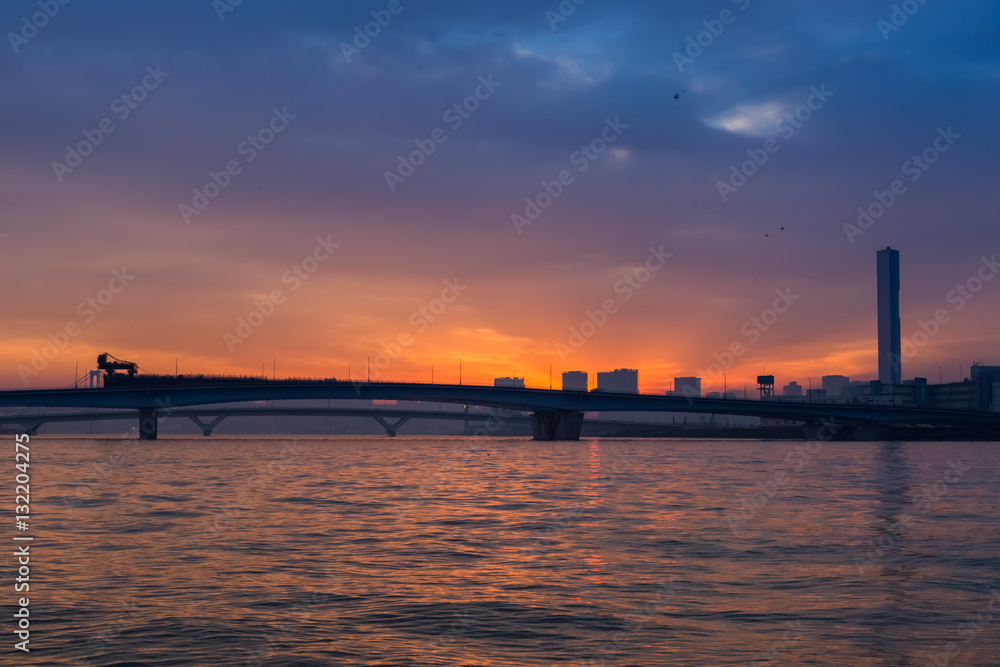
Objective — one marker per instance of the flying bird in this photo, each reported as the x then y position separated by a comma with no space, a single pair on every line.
677,96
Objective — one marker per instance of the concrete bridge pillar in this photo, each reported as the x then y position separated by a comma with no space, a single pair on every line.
390,429
31,429
548,426
206,429
148,423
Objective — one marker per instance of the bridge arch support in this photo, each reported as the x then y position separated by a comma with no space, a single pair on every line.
206,429
390,429
31,428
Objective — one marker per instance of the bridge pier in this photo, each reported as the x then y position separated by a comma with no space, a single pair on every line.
206,429
148,423
549,426
33,429
390,429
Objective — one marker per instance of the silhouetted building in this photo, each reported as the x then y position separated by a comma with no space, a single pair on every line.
854,390
816,395
792,390
575,381
517,383
834,385
732,395
980,391
987,381
622,380
687,387
889,359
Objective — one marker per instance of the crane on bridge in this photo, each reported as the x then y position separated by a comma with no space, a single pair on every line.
116,364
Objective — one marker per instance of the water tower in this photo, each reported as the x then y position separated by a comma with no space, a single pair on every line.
765,383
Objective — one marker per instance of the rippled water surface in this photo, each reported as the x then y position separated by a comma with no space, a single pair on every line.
419,551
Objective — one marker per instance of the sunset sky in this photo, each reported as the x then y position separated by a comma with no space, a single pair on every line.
341,110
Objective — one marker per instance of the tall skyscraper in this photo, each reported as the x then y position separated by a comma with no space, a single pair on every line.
889,360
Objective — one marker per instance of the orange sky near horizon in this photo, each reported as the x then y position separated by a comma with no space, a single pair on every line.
188,290
336,318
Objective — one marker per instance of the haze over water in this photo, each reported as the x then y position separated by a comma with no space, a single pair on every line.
447,551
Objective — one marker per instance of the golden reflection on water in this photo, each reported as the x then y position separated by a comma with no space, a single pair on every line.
508,552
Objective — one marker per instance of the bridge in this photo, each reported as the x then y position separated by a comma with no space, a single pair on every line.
555,414
207,419
391,419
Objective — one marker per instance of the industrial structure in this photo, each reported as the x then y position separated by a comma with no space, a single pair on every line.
111,365
765,385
